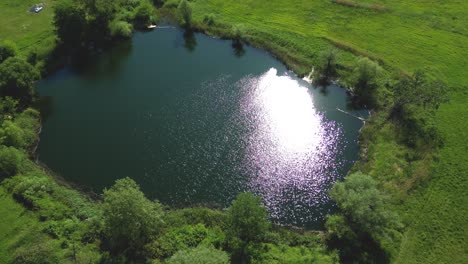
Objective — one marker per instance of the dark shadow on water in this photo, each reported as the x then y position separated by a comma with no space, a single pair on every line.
45,106
101,63
238,49
190,41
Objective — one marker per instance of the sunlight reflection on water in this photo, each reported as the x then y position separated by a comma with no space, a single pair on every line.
291,148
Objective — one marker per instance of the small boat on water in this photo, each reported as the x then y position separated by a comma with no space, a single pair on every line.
152,26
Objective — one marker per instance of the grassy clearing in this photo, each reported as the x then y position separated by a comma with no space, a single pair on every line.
28,30
18,225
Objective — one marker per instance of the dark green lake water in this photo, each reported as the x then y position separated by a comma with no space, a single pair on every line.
194,121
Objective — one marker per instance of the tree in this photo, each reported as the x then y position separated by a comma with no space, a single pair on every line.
11,135
415,100
248,222
17,79
70,23
364,217
7,49
144,14
237,34
418,90
130,219
365,75
121,29
363,204
327,66
8,106
199,255
186,11
10,159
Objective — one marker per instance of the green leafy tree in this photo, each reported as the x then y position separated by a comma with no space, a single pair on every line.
12,135
327,66
7,49
199,255
365,76
364,218
17,79
415,100
130,219
144,14
419,90
70,23
121,29
8,106
248,223
10,159
237,33
186,11
39,252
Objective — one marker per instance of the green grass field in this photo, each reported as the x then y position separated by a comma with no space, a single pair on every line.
18,225
28,30
403,35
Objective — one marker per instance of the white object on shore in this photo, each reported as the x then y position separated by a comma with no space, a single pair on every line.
152,26
309,78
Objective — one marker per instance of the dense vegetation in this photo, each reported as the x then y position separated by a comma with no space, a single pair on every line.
403,203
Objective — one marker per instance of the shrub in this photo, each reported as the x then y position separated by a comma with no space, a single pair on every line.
199,255
238,32
35,253
130,219
8,106
187,236
186,11
326,66
10,160
364,218
17,79
209,19
247,226
171,3
144,14
12,135
121,29
7,49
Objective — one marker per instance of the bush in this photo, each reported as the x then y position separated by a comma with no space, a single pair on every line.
248,225
121,29
8,106
238,32
199,255
7,49
209,19
11,135
365,75
326,68
10,161
17,79
130,219
171,3
144,14
186,11
364,218
188,236
36,253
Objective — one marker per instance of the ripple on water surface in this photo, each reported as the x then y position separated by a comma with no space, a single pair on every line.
291,148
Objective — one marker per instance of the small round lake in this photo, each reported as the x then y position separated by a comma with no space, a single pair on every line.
193,121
